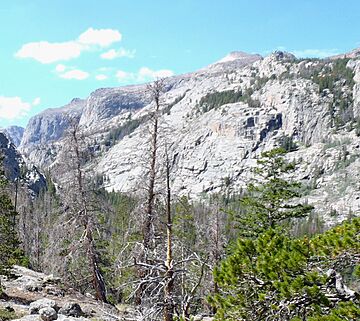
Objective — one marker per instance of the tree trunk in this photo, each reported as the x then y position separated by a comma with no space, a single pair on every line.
169,276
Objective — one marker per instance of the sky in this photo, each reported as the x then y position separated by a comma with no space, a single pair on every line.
53,51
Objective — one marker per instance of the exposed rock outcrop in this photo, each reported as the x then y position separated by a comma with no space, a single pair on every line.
16,169
218,120
14,134
37,304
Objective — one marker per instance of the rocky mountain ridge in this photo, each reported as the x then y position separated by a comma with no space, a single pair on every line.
14,133
218,120
16,169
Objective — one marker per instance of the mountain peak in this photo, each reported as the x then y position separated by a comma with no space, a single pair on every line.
237,55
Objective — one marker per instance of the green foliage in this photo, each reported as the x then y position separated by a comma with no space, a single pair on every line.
217,99
276,277
10,252
120,132
337,72
336,78
6,315
120,231
184,225
269,202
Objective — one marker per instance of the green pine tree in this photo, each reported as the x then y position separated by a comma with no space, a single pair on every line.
275,277
270,201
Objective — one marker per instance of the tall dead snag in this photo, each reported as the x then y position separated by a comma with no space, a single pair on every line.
155,90
159,265
84,217
169,274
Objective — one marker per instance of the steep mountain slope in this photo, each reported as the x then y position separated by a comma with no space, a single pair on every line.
17,170
218,120
14,133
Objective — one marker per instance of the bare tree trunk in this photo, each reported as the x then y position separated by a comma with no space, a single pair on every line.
151,191
155,90
169,276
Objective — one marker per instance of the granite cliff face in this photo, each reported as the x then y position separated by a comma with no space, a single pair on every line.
218,120
17,170
14,133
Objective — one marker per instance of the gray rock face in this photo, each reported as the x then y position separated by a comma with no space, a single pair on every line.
213,143
14,133
51,123
105,104
13,161
16,168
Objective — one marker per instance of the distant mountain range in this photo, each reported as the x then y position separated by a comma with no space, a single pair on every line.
217,121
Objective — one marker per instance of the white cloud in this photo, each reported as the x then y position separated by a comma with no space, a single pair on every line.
75,74
144,74
101,77
316,53
112,54
36,101
68,72
47,52
13,107
60,68
124,76
100,37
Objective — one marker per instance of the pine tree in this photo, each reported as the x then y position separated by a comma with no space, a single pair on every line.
275,277
270,201
271,276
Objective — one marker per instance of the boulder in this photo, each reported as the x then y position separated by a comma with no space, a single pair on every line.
36,306
71,309
48,314
33,286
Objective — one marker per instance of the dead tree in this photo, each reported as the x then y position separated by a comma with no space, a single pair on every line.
169,275
156,292
84,216
155,90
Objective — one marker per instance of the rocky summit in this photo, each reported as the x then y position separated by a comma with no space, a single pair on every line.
217,121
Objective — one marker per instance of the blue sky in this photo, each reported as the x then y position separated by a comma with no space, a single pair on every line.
53,51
